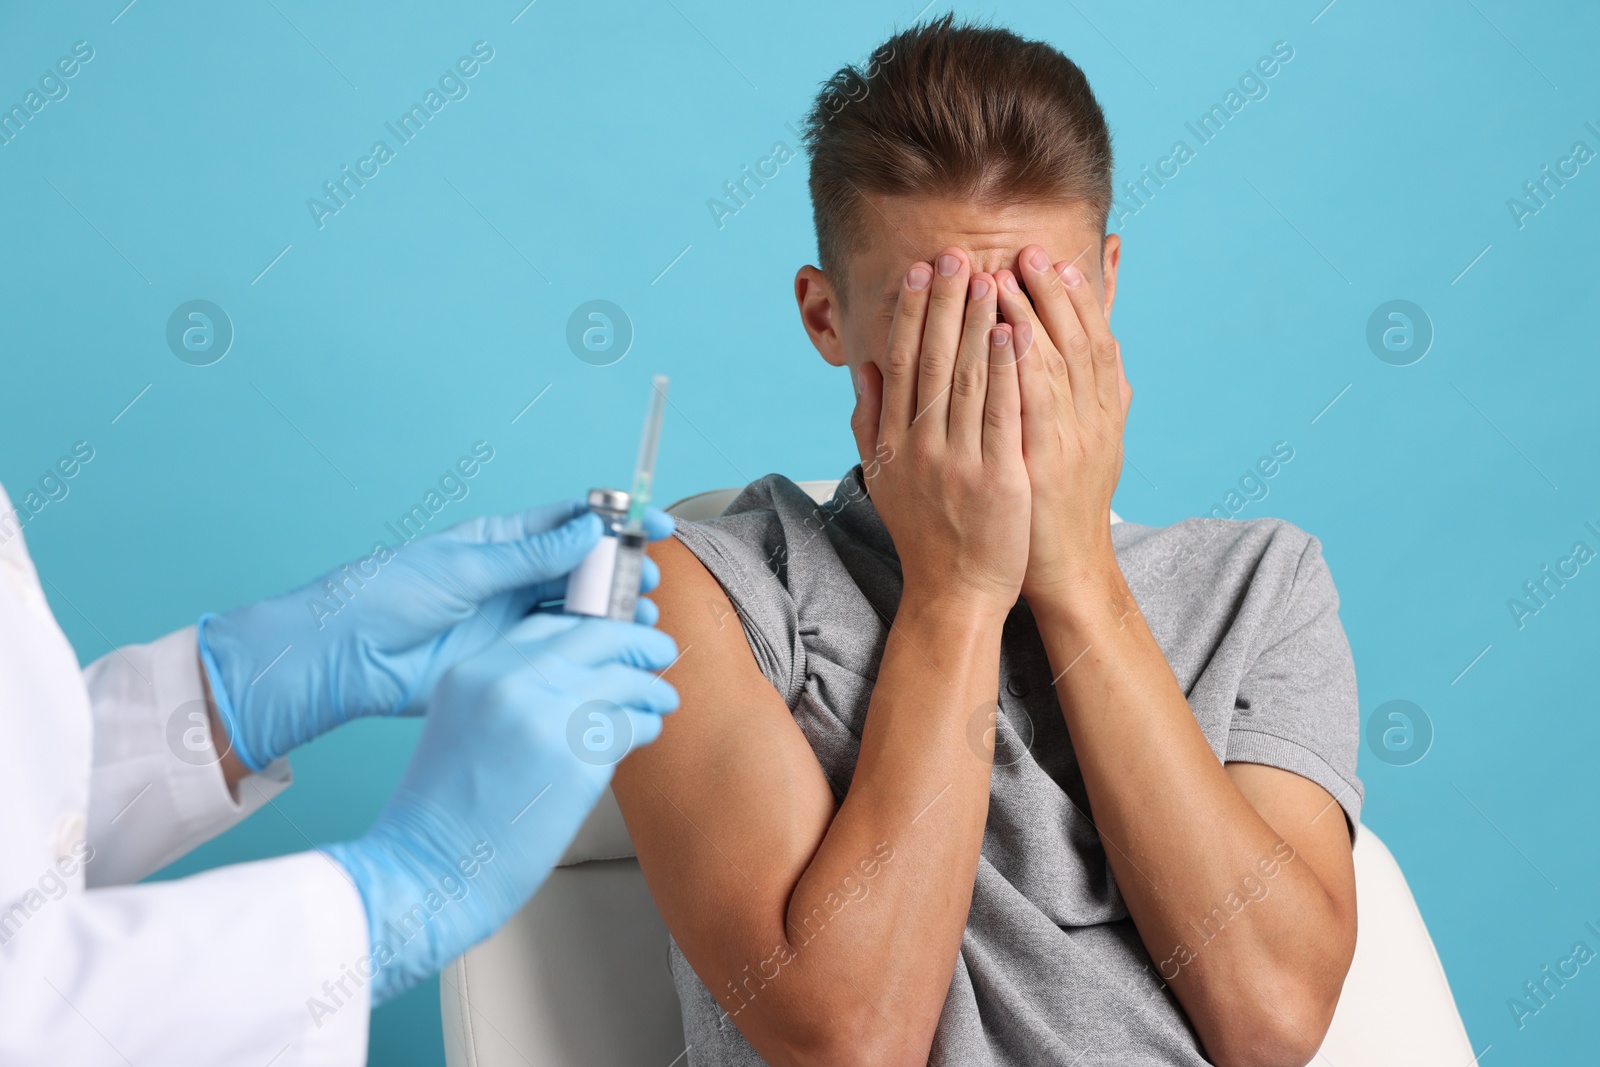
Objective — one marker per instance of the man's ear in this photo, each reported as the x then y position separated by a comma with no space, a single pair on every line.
1108,267
819,313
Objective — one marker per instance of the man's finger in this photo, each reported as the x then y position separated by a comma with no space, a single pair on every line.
903,352
969,382
1041,422
1047,289
1102,347
1044,386
941,340
1002,432
867,418
1002,402
1124,390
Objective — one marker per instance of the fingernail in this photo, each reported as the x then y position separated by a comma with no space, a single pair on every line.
999,338
919,277
980,288
1039,260
855,379
1072,276
948,264
1009,280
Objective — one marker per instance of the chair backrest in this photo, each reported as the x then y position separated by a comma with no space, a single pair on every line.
579,976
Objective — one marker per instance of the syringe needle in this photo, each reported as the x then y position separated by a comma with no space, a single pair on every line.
645,470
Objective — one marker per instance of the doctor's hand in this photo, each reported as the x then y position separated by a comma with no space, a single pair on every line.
938,427
375,636
518,745
1075,400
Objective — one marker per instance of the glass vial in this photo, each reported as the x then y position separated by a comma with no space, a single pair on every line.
606,583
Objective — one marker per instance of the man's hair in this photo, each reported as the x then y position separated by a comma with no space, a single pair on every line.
964,112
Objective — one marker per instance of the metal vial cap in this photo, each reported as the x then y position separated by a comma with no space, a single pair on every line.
611,500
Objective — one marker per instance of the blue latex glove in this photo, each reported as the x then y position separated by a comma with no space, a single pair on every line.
374,636
518,744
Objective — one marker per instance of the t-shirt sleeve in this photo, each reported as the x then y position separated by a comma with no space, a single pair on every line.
1297,706
746,553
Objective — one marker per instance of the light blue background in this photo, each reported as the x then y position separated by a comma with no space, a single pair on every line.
432,309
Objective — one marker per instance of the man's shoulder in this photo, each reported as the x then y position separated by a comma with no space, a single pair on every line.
1208,556
776,517
780,496
747,546
1211,535
767,498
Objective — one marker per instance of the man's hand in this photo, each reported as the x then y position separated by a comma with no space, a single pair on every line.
732,806
1074,403
1177,824
945,408
375,636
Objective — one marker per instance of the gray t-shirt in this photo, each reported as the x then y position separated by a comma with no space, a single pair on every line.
1051,969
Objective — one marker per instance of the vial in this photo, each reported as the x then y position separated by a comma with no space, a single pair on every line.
606,583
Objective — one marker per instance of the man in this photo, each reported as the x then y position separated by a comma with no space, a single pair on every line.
109,774
1141,854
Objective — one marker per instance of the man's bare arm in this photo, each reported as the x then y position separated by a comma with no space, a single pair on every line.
850,921
829,936
1182,832
1187,836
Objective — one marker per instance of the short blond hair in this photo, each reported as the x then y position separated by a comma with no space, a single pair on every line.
960,111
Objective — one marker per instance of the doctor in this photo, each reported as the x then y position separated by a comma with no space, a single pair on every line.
111,772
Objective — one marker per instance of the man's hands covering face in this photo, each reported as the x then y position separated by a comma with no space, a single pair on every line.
1005,441
1074,403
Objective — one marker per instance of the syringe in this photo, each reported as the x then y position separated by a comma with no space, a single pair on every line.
606,583
644,471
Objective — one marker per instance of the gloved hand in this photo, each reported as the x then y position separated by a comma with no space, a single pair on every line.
518,745
374,636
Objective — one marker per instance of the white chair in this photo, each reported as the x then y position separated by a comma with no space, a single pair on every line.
579,977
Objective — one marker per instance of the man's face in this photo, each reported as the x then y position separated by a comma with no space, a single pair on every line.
903,231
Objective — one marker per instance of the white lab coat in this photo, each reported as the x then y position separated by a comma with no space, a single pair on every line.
216,969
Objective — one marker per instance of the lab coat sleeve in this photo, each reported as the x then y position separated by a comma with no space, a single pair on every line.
156,787
245,965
